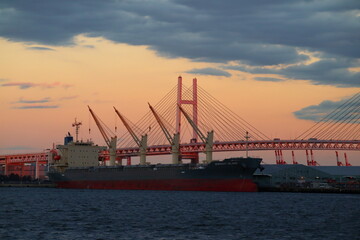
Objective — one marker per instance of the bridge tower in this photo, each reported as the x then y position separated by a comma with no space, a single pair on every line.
193,102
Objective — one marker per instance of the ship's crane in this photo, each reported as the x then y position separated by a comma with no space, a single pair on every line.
338,162
110,141
174,141
208,141
311,162
279,157
142,143
293,158
346,160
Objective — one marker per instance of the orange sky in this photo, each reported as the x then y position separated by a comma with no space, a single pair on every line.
102,74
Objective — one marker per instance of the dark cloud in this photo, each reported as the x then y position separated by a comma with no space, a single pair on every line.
209,71
36,107
41,48
255,33
333,110
268,79
325,71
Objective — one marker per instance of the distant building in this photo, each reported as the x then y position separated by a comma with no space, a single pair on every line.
298,175
341,174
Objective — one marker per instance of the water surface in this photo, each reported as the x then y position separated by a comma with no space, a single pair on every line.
46,213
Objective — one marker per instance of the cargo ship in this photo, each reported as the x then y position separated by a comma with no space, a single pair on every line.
76,165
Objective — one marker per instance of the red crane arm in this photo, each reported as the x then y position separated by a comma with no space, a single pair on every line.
101,129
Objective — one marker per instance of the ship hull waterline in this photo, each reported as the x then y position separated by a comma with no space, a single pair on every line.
217,185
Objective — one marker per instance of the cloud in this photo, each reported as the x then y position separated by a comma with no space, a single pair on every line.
21,85
325,71
41,48
255,33
68,98
43,100
40,103
26,85
37,106
88,46
209,71
334,110
268,79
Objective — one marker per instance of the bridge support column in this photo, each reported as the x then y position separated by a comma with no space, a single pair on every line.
37,168
175,149
143,147
6,167
112,151
307,158
209,146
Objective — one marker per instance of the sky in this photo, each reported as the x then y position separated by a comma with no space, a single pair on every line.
277,64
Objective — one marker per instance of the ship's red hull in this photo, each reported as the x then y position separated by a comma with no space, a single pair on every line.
218,185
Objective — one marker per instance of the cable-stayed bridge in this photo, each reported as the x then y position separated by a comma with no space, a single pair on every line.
339,130
189,121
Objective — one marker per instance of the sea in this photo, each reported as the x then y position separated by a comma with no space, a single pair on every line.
50,213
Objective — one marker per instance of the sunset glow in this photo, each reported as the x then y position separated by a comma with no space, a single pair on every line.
48,77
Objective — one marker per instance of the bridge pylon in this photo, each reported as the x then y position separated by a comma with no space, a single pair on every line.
193,102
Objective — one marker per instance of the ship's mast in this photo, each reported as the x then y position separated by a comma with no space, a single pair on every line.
77,125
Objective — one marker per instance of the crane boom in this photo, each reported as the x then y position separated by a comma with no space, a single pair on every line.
110,141
162,126
209,140
132,133
142,144
100,127
193,125
174,141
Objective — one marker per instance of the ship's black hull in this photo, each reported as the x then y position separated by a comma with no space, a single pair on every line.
234,174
